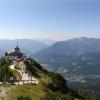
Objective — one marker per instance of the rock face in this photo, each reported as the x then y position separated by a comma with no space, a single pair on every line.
21,68
18,58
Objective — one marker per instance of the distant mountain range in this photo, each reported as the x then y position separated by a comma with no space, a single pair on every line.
28,46
78,60
47,41
74,56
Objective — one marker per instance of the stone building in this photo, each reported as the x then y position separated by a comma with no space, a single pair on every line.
15,54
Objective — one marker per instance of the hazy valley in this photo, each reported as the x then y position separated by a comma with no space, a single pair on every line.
77,60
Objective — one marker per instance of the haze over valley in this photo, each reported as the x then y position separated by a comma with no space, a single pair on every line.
75,59
49,50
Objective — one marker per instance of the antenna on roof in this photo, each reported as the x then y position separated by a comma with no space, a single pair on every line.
17,43
17,48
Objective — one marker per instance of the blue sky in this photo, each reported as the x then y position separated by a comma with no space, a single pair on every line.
49,19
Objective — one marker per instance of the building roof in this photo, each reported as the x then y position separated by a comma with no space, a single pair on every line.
16,52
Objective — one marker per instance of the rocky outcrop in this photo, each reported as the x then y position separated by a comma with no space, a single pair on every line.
25,77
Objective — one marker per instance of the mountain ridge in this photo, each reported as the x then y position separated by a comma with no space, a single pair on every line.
28,46
65,55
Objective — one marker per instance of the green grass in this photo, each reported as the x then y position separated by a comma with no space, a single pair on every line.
35,92
32,91
16,74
